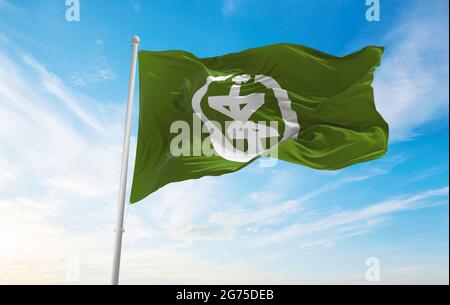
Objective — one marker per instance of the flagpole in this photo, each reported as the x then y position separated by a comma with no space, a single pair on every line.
135,40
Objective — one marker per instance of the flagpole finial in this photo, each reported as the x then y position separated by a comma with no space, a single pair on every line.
135,39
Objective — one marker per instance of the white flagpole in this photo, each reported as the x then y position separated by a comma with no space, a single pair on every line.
135,40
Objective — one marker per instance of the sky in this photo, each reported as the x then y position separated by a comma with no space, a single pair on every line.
63,89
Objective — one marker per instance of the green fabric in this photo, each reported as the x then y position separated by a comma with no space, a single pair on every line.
331,96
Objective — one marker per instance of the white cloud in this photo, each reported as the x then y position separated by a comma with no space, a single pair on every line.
100,71
7,6
55,86
265,197
355,221
98,75
59,166
412,84
54,140
230,222
260,217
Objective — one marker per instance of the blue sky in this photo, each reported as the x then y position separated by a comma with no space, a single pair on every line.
63,88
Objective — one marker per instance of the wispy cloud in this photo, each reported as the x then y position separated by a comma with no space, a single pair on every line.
100,71
98,75
7,6
235,223
265,197
430,172
412,84
59,163
55,86
355,221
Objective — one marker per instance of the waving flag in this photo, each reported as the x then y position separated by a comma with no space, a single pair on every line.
212,116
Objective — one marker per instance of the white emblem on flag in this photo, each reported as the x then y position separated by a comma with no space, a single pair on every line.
239,108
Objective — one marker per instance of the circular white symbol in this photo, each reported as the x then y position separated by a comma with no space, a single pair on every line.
239,109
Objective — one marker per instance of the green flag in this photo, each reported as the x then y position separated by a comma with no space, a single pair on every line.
212,116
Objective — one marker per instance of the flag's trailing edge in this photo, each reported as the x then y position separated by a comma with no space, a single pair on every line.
317,110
